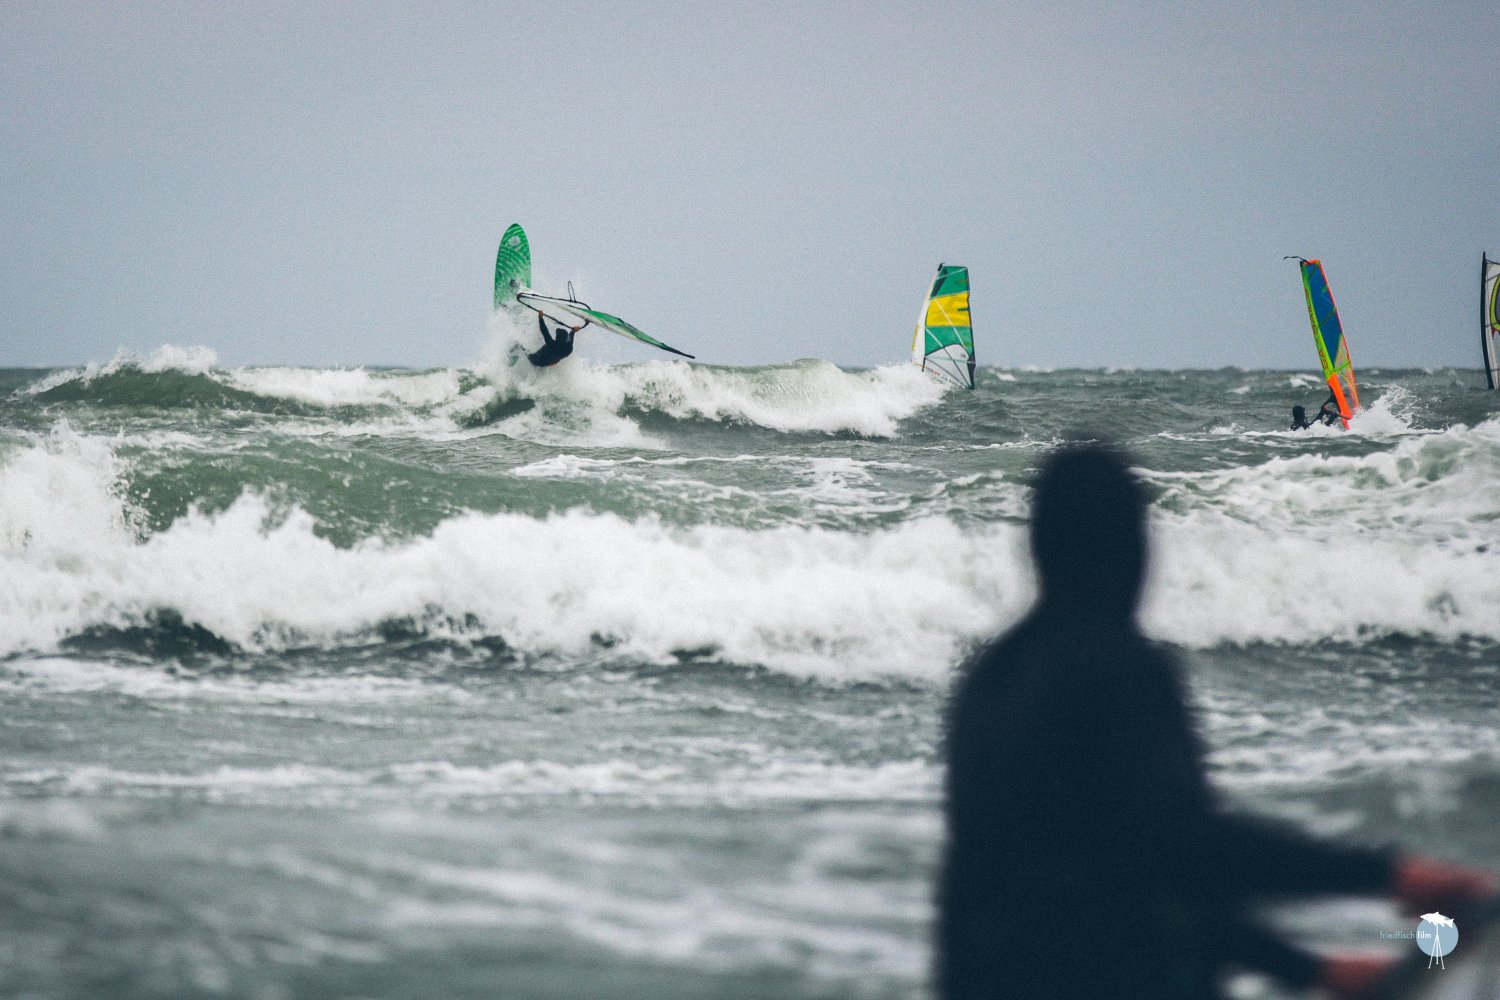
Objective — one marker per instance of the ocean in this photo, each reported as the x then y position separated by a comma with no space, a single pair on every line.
628,680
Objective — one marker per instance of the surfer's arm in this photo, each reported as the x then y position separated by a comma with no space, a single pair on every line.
541,322
1208,852
1265,859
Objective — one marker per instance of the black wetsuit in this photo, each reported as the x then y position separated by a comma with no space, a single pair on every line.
554,348
1087,856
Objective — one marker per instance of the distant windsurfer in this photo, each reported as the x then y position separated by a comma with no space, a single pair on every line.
554,347
1328,414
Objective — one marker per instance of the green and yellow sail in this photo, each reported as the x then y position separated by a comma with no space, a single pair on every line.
944,341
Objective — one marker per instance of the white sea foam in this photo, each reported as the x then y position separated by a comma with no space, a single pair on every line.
1297,549
806,396
1426,487
799,599
61,498
1388,414
708,925
585,399
192,360
1401,540
65,675
891,782
59,818
221,782
350,386
777,781
581,401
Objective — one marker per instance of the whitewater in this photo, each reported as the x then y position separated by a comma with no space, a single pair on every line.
629,679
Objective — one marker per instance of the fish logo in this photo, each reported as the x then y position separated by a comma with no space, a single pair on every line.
1437,936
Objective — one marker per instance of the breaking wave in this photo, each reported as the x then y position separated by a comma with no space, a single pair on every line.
1309,548
806,396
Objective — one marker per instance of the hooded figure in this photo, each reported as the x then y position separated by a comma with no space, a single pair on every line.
1086,855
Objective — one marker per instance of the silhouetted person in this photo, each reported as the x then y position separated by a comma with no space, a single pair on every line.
1299,418
1087,856
554,347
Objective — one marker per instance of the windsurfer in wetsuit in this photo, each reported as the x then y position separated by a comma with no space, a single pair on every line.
1328,414
554,347
1087,855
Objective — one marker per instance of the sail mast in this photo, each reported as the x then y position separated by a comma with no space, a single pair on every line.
1489,318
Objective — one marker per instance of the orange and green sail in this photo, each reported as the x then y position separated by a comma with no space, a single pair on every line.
1328,335
944,341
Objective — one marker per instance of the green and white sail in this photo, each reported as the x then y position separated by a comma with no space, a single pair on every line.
568,312
512,265
944,341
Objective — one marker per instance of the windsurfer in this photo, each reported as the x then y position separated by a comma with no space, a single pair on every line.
554,347
1328,414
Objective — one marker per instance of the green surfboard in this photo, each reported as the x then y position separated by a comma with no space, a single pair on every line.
512,265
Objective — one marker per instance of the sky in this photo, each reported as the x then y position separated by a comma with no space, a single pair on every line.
325,184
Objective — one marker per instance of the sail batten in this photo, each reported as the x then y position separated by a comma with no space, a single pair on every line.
944,340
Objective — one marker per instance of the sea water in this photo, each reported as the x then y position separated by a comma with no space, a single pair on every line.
628,680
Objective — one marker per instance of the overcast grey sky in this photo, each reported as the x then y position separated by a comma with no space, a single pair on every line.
326,183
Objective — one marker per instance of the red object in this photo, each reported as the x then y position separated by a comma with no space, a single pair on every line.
1424,884
1354,977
